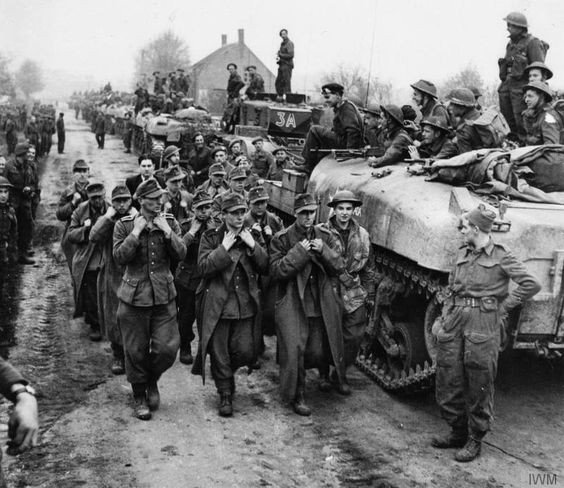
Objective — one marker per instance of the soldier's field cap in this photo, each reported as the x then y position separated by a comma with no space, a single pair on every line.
155,73
237,173
436,122
95,189
543,67
329,88
80,165
170,151
394,112
217,169
539,86
21,148
257,194
232,202
344,196
149,189
425,87
278,149
121,192
235,141
482,217
4,183
173,173
304,201
257,139
232,64
201,198
217,149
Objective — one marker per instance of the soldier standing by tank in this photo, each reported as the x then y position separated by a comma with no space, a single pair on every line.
145,244
540,120
146,171
111,273
398,140
61,133
304,258
522,50
346,133
88,258
8,232
426,99
23,176
231,259
188,276
285,61
280,162
356,281
215,184
11,132
199,160
261,161
69,200
470,332
235,150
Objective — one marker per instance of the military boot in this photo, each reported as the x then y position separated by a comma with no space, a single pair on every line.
470,451
186,356
456,438
25,259
324,383
153,395
118,366
140,408
225,404
342,387
299,404
94,335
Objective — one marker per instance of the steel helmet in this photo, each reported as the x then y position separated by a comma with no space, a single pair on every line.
462,96
539,86
394,112
517,18
541,66
425,87
436,122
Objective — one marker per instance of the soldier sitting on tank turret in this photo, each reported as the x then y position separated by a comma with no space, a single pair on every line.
540,120
373,127
397,137
426,98
435,135
347,130
254,84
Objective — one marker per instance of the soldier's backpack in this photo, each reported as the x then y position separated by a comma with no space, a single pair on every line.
491,126
558,106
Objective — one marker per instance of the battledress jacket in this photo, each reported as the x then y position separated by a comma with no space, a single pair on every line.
348,125
290,265
216,265
79,235
398,148
541,126
64,213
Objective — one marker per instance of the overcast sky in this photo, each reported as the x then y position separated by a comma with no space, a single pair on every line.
406,40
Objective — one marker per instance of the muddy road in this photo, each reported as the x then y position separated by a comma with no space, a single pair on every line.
371,439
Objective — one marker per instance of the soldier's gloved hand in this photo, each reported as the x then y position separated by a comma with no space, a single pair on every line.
316,245
247,238
139,224
162,224
76,199
111,212
267,230
306,244
228,240
256,227
87,223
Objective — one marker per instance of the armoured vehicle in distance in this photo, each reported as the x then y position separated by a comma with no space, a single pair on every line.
412,226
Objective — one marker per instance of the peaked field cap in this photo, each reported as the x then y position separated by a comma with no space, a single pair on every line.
217,169
173,173
202,197
232,202
333,88
95,189
304,201
80,164
121,191
258,193
4,183
237,173
149,189
343,196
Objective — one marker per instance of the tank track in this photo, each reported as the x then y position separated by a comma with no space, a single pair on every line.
421,281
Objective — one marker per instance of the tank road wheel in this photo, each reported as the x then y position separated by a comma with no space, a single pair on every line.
410,351
432,314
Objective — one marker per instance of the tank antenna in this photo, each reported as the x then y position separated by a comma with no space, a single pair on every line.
371,56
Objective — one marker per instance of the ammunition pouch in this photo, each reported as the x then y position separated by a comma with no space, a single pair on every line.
502,63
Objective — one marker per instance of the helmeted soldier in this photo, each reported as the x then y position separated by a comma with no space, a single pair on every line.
522,50
144,245
426,98
231,259
470,331
538,71
398,140
304,258
540,120
435,138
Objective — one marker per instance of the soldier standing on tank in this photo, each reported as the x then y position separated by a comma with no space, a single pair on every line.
231,259
398,140
285,61
111,273
522,50
187,276
234,85
357,279
472,328
346,133
304,258
540,120
61,133
145,244
254,83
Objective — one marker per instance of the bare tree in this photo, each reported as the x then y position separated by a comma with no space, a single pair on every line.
358,87
167,52
29,78
469,77
6,78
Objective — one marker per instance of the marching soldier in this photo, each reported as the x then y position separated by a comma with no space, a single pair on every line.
231,259
470,332
175,200
215,184
61,133
144,244
237,180
8,232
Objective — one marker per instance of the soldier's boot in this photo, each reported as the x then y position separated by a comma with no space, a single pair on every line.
342,387
186,355
25,259
456,438
470,451
153,395
95,335
324,383
225,404
118,366
299,404
140,408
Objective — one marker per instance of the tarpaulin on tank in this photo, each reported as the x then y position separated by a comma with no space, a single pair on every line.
529,173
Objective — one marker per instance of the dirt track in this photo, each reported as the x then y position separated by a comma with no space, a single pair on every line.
90,438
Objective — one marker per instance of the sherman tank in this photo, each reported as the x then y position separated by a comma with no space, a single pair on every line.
413,229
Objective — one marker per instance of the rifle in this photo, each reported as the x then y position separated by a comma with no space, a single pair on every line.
344,154
420,166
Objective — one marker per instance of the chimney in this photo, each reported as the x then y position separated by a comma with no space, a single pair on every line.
241,33
223,39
